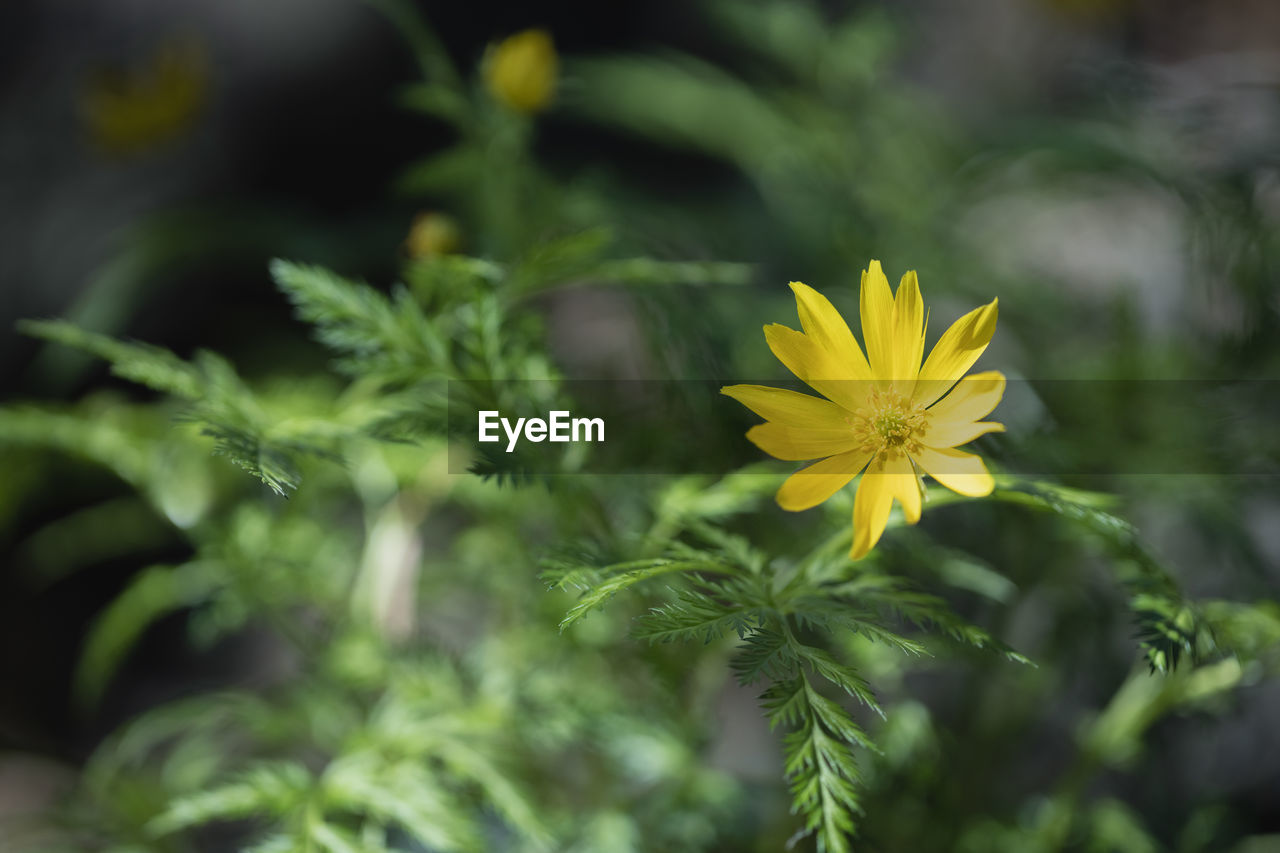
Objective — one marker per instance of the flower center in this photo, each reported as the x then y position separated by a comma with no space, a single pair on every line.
888,423
893,426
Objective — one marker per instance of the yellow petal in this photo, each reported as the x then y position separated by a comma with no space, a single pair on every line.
956,433
815,366
956,352
876,303
825,327
900,479
956,418
789,407
974,397
908,329
870,512
811,486
797,444
903,484
958,471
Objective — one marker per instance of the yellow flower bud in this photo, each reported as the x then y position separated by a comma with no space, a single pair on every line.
520,71
432,234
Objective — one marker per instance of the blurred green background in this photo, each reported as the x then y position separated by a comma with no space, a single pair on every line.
189,661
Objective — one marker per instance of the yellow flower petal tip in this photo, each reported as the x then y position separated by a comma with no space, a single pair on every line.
520,71
990,313
882,410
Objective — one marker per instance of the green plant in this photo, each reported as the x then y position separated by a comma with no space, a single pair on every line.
440,684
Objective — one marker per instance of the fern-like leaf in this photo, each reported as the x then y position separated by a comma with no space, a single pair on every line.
389,338
819,763
155,367
600,588
273,789
704,615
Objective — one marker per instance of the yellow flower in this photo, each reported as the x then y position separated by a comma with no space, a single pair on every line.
139,108
432,234
884,412
520,71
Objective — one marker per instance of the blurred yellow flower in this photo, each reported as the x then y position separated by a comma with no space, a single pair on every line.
432,234
131,110
520,71
885,414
